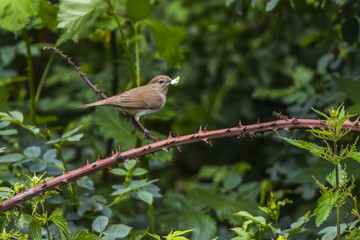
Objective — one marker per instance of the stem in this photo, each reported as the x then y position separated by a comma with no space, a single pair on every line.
30,75
47,223
337,189
42,80
122,40
137,58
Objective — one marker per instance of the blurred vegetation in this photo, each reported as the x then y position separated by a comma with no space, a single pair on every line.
238,59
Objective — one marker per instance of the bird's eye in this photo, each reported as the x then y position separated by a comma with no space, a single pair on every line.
161,81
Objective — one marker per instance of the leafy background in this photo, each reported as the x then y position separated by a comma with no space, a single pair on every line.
238,59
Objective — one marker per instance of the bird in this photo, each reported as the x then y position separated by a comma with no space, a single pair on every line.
142,100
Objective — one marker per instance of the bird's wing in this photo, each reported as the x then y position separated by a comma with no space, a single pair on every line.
136,99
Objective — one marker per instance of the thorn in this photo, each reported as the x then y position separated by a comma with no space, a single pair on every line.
131,148
94,165
286,129
262,135
239,125
165,149
252,134
178,148
109,168
258,121
178,135
98,158
87,163
136,159
112,153
291,132
227,130
170,137
205,130
200,131
210,143
275,130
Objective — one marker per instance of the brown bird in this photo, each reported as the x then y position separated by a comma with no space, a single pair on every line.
142,100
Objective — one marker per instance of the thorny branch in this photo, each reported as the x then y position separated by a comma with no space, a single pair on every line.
101,94
202,135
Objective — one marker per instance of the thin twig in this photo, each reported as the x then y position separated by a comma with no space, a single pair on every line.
101,94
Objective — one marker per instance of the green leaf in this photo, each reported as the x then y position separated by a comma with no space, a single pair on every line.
320,113
13,116
35,229
324,206
355,156
312,147
112,125
10,158
76,17
145,196
16,14
8,132
50,155
350,30
60,222
100,223
82,234
118,171
167,45
138,9
47,12
139,171
270,5
116,231
331,178
204,226
32,152
70,136
130,164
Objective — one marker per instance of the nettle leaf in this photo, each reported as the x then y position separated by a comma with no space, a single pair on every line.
100,223
167,45
60,222
138,9
35,229
312,147
354,155
203,225
325,204
320,113
16,14
112,125
116,231
76,17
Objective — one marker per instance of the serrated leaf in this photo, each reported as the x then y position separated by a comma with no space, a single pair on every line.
116,231
35,229
320,113
47,12
100,223
32,152
203,225
10,158
74,16
324,206
16,14
145,196
167,45
60,222
138,9
112,125
321,132
312,147
355,156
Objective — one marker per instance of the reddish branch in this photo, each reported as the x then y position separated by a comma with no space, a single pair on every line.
101,94
202,135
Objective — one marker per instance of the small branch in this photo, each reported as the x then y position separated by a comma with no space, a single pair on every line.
202,135
30,75
101,94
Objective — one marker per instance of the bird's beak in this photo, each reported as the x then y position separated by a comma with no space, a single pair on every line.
175,81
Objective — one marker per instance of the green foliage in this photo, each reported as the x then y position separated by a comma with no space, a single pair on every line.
237,59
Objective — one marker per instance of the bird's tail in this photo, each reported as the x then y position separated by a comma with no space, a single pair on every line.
101,102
